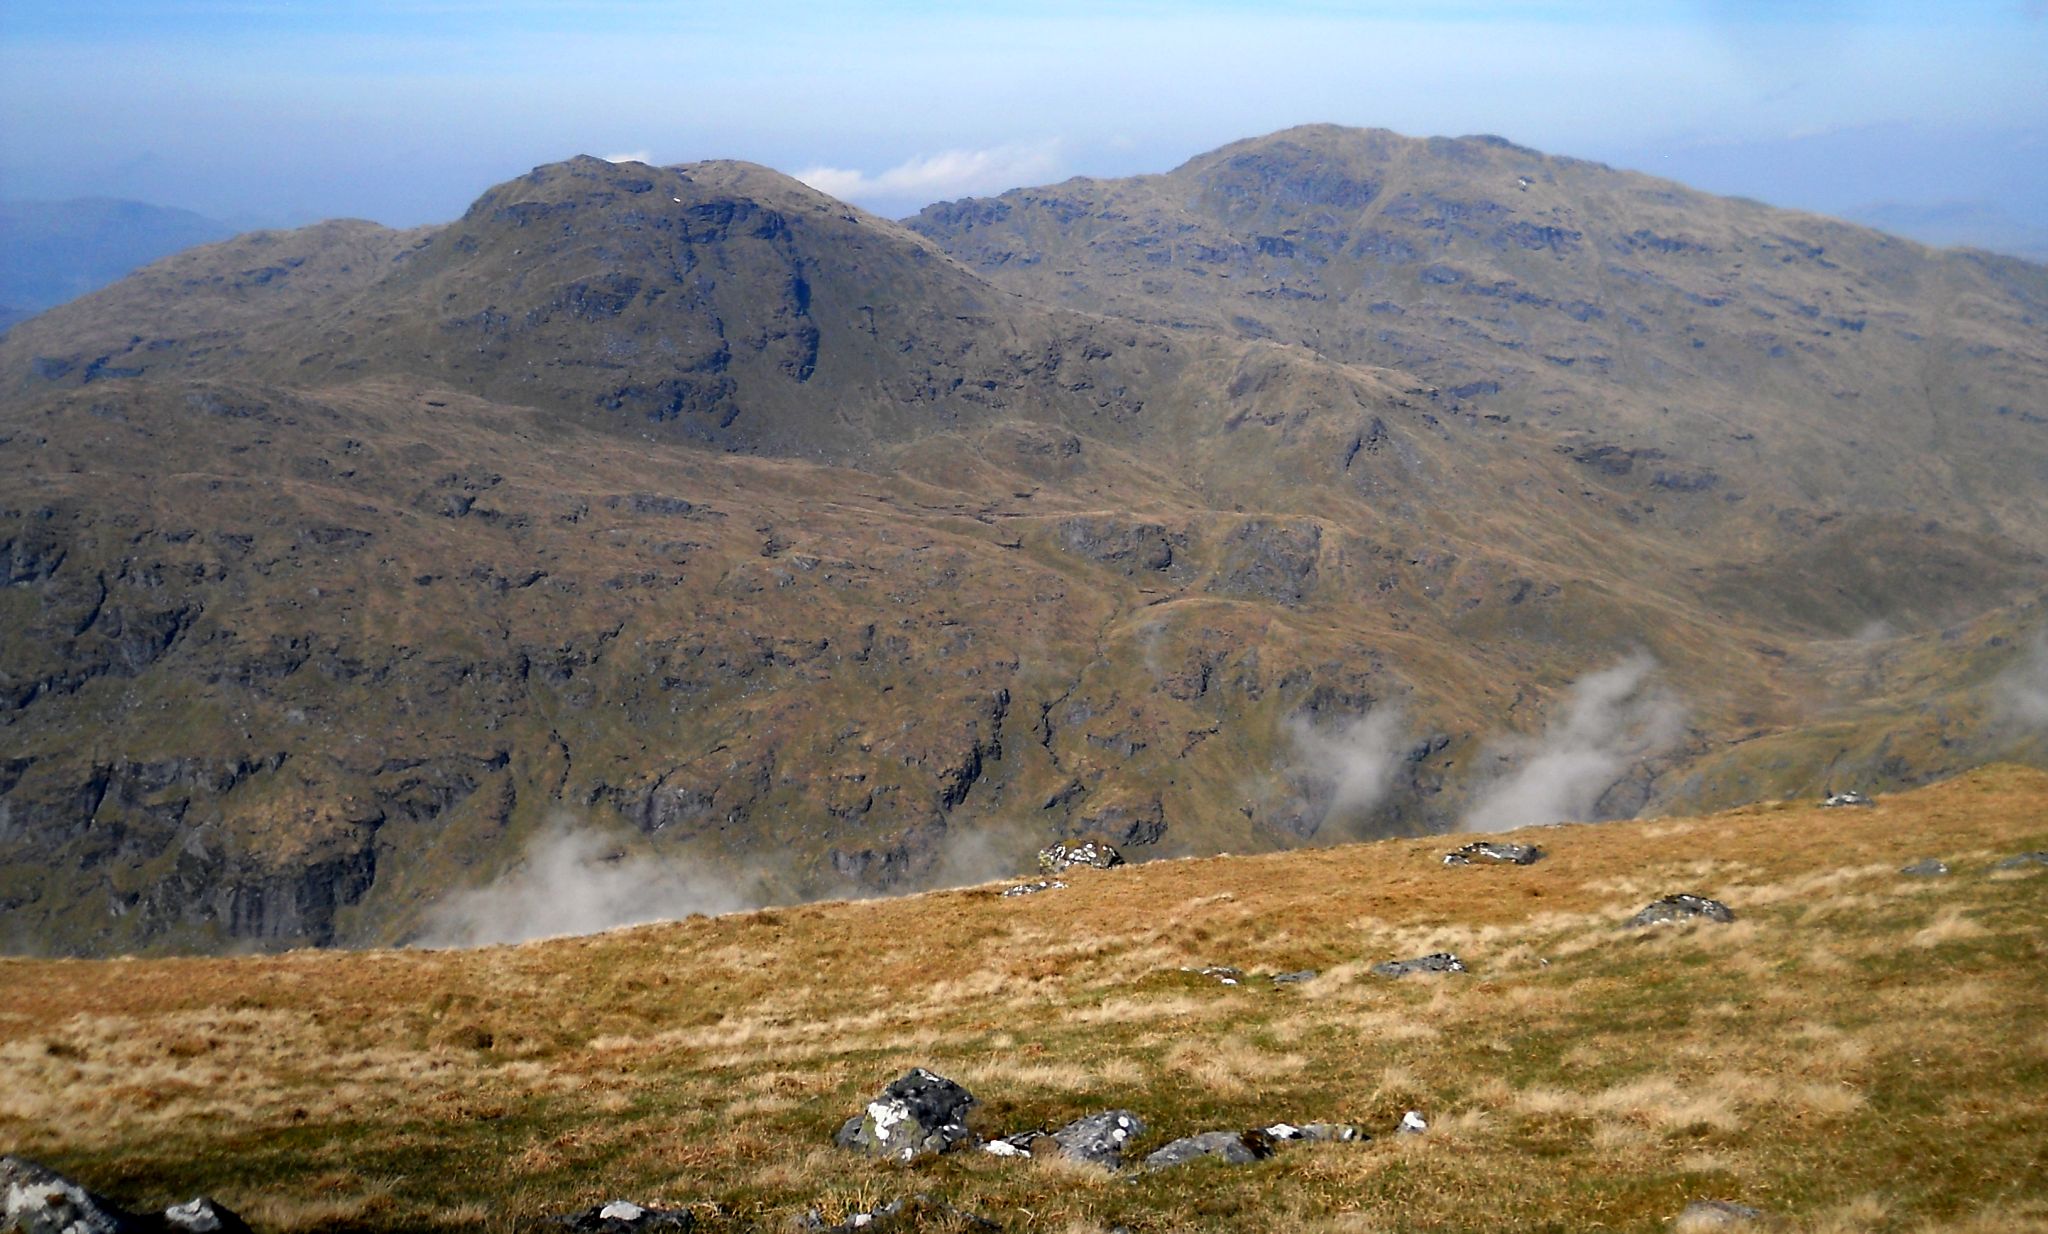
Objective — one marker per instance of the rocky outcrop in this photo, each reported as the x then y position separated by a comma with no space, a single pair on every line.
1435,962
918,1114
1089,854
1099,1139
1681,907
38,1200
1492,851
1229,1147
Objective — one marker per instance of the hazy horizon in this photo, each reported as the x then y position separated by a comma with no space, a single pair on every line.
257,111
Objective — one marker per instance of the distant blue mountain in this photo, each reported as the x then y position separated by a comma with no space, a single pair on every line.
53,251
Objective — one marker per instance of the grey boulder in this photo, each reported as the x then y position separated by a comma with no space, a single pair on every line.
919,1113
1230,1147
38,1200
1061,857
1926,867
1100,1139
1435,962
1681,907
1489,850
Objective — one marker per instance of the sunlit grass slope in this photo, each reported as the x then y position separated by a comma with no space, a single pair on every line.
1859,1050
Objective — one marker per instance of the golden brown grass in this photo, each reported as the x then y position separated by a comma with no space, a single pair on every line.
1860,1051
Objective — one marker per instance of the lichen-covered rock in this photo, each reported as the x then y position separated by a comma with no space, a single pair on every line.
626,1217
1060,857
1032,889
1413,1123
1489,850
1926,867
35,1199
1335,1133
202,1215
1435,962
917,1114
1851,798
38,1200
1681,907
1099,1139
1306,974
1231,1147
1222,974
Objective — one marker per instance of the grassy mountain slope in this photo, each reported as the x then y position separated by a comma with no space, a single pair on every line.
766,537
1859,1050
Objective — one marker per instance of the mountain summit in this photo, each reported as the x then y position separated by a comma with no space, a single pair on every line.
1317,489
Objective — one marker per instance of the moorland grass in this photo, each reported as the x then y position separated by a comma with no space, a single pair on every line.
1859,1051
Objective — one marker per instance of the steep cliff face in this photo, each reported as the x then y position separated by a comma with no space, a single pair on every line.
781,546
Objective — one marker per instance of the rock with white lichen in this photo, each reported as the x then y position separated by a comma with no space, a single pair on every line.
1682,907
918,1114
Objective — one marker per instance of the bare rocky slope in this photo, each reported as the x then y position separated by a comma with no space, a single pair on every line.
818,553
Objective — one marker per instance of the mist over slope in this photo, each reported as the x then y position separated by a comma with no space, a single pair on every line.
1277,500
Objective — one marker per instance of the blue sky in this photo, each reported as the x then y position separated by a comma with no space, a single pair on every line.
264,110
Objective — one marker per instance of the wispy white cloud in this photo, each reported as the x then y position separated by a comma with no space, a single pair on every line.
631,156
935,177
1611,721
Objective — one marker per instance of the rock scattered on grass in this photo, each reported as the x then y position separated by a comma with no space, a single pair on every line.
1489,850
1223,973
38,1200
2023,860
1435,962
917,1212
1704,1215
1099,1139
1681,907
1851,798
1030,889
1926,867
1306,974
919,1113
1335,1133
1230,1147
1413,1123
201,1215
1061,857
626,1217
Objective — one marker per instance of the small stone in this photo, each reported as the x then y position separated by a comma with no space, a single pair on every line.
1490,850
1704,1215
1926,867
1435,962
1412,1123
1230,1147
626,1217
1031,889
203,1215
1852,798
1682,907
1306,974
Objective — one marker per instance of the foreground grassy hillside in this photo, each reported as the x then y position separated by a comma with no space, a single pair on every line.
1860,1049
